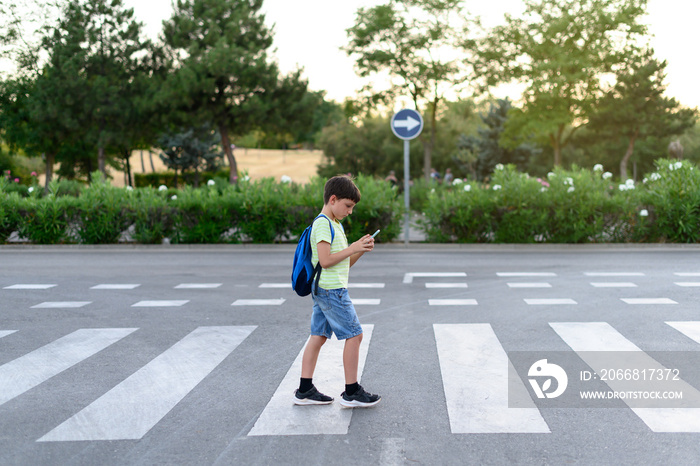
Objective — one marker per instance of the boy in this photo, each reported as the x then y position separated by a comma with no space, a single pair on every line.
333,311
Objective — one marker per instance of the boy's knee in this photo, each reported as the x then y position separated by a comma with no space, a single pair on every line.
356,339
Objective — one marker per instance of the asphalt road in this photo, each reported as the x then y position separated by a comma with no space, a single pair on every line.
176,355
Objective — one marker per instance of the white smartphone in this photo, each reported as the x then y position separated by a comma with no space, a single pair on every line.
376,233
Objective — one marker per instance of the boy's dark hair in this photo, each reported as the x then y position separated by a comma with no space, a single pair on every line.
342,187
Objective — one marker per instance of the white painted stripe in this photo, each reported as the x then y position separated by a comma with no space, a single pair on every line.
258,302
648,301
164,303
475,378
594,341
29,287
526,274
688,283
275,285
366,285
614,274
61,304
547,301
690,329
408,278
282,417
687,274
115,286
366,302
4,333
132,408
529,285
446,285
452,302
197,286
28,371
613,284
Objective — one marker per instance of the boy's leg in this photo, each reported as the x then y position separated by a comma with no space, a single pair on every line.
351,358
354,395
307,394
308,361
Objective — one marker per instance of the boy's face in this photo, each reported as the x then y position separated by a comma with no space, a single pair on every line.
341,208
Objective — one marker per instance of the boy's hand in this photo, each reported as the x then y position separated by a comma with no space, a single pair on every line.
364,244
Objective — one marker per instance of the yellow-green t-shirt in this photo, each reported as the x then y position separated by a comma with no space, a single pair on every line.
336,276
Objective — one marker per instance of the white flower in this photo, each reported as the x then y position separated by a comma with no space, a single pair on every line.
569,181
607,175
630,183
597,167
247,178
496,187
31,189
162,188
174,197
129,188
570,190
543,189
432,190
499,166
285,179
211,183
623,187
644,213
645,180
551,175
654,176
457,181
679,164
467,187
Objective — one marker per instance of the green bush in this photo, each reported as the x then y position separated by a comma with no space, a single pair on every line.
379,208
153,217
205,215
672,201
104,212
47,220
9,214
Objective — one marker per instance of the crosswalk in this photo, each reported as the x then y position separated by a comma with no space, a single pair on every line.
474,367
542,288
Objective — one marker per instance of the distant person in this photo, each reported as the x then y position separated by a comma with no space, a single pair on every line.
333,311
434,175
391,178
448,177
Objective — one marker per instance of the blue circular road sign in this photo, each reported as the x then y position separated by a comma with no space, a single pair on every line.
406,124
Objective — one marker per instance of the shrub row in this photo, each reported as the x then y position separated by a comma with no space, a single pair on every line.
259,212
570,206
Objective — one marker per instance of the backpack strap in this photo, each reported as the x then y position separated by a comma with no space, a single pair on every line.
317,270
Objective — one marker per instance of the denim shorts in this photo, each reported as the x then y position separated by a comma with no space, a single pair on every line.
334,313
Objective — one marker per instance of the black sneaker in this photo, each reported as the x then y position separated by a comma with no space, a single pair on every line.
361,399
312,397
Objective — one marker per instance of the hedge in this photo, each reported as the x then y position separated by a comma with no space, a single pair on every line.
251,211
568,206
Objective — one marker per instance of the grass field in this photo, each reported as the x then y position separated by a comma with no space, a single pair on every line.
299,165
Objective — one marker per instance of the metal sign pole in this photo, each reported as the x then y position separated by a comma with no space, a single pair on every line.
406,124
406,187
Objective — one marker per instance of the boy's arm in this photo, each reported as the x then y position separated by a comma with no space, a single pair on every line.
354,252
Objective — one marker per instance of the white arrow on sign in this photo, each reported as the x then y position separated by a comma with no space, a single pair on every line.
409,123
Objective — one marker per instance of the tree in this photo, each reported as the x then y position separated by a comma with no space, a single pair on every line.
559,50
413,41
190,149
485,151
635,108
222,75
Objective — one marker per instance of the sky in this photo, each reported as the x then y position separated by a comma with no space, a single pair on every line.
309,34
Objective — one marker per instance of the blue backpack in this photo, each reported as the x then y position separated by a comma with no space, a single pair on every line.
303,271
